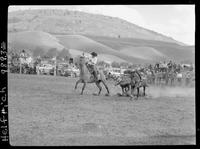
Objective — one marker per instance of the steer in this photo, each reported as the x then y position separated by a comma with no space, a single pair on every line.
126,83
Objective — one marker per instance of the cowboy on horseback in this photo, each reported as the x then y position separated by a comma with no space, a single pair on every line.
87,67
91,63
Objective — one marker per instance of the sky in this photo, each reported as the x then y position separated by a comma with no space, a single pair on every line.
176,21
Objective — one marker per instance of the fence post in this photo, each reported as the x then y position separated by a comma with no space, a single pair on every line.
55,67
20,67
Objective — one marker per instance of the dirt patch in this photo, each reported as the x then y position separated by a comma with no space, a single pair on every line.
164,91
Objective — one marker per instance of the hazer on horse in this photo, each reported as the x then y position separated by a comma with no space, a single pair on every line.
89,73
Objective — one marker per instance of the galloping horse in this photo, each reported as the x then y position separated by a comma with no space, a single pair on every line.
87,77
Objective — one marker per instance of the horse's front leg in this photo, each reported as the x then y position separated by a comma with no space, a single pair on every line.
127,88
77,82
131,89
144,90
123,92
138,91
100,88
84,84
104,83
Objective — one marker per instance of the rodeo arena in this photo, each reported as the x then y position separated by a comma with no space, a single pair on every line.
83,79
51,94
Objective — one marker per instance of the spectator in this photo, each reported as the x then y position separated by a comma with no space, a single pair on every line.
23,54
169,65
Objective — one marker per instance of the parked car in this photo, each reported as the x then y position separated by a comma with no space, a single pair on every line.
61,68
71,71
47,69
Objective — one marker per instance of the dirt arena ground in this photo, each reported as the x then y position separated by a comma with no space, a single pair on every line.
47,111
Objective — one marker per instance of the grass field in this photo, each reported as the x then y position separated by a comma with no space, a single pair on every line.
46,111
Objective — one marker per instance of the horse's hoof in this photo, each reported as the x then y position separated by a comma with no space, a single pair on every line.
118,94
95,94
107,94
131,96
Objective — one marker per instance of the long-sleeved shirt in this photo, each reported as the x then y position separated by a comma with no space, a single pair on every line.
92,60
23,55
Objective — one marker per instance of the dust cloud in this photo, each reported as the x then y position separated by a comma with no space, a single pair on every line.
163,91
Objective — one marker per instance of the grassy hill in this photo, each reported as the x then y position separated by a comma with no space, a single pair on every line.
75,22
169,50
32,40
112,38
109,49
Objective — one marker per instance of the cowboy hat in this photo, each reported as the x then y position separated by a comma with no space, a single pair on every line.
94,54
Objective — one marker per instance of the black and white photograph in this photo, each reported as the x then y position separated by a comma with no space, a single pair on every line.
101,75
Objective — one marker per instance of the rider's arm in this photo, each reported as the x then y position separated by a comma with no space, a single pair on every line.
94,60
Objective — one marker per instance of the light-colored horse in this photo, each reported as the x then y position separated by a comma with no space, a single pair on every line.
87,77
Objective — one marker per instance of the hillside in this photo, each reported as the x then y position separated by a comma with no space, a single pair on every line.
74,22
112,38
170,50
108,49
32,40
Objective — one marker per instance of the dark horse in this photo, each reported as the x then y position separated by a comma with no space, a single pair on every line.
137,82
87,77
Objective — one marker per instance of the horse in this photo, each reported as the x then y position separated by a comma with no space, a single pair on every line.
86,77
171,76
158,77
137,84
150,76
